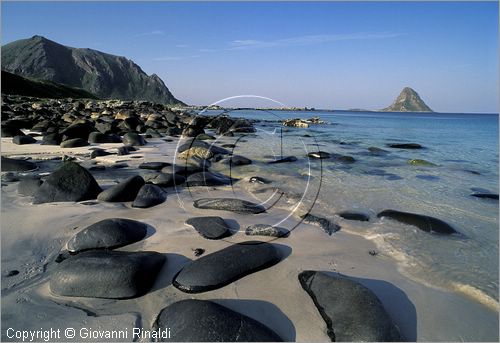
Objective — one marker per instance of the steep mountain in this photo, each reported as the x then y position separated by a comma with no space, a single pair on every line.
408,101
105,75
18,85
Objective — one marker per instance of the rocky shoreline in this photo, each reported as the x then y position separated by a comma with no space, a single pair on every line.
124,163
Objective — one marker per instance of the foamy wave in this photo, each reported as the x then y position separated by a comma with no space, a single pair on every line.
476,294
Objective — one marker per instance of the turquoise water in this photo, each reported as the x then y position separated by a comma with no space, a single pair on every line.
464,148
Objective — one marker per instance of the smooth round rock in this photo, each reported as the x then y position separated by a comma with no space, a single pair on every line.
284,160
206,321
107,274
20,140
28,187
164,179
485,195
108,234
237,160
52,139
351,215
153,165
74,143
405,146
229,204
210,227
124,191
207,178
12,164
133,139
266,230
319,154
423,222
328,226
149,195
71,182
220,268
352,312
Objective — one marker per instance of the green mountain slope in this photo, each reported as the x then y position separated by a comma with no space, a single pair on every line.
107,76
18,85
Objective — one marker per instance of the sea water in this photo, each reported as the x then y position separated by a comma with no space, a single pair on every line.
464,149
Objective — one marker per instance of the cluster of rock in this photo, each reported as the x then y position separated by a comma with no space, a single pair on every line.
73,123
302,123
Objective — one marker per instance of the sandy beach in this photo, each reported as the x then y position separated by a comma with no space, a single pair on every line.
34,235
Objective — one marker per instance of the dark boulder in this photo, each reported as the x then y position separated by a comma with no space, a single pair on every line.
12,164
318,154
70,182
124,191
107,274
210,227
133,139
237,160
164,179
351,215
149,196
78,130
259,180
74,143
99,152
206,321
108,234
220,268
9,131
266,230
284,160
52,139
485,195
19,140
207,178
29,186
405,146
423,222
154,165
99,137
328,226
352,312
229,204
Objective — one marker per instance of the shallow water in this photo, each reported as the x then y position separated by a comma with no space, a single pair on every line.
464,148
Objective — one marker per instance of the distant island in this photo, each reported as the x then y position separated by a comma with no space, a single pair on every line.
408,101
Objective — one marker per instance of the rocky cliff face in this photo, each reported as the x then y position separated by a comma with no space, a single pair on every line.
408,101
105,75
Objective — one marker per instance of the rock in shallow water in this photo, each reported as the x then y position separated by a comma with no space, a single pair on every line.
107,274
225,266
318,154
149,196
153,165
229,204
351,215
108,234
328,226
74,143
210,227
124,191
71,182
351,311
284,160
485,195
206,321
266,230
208,179
423,222
405,146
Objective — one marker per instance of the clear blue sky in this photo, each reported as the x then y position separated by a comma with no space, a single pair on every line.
324,55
